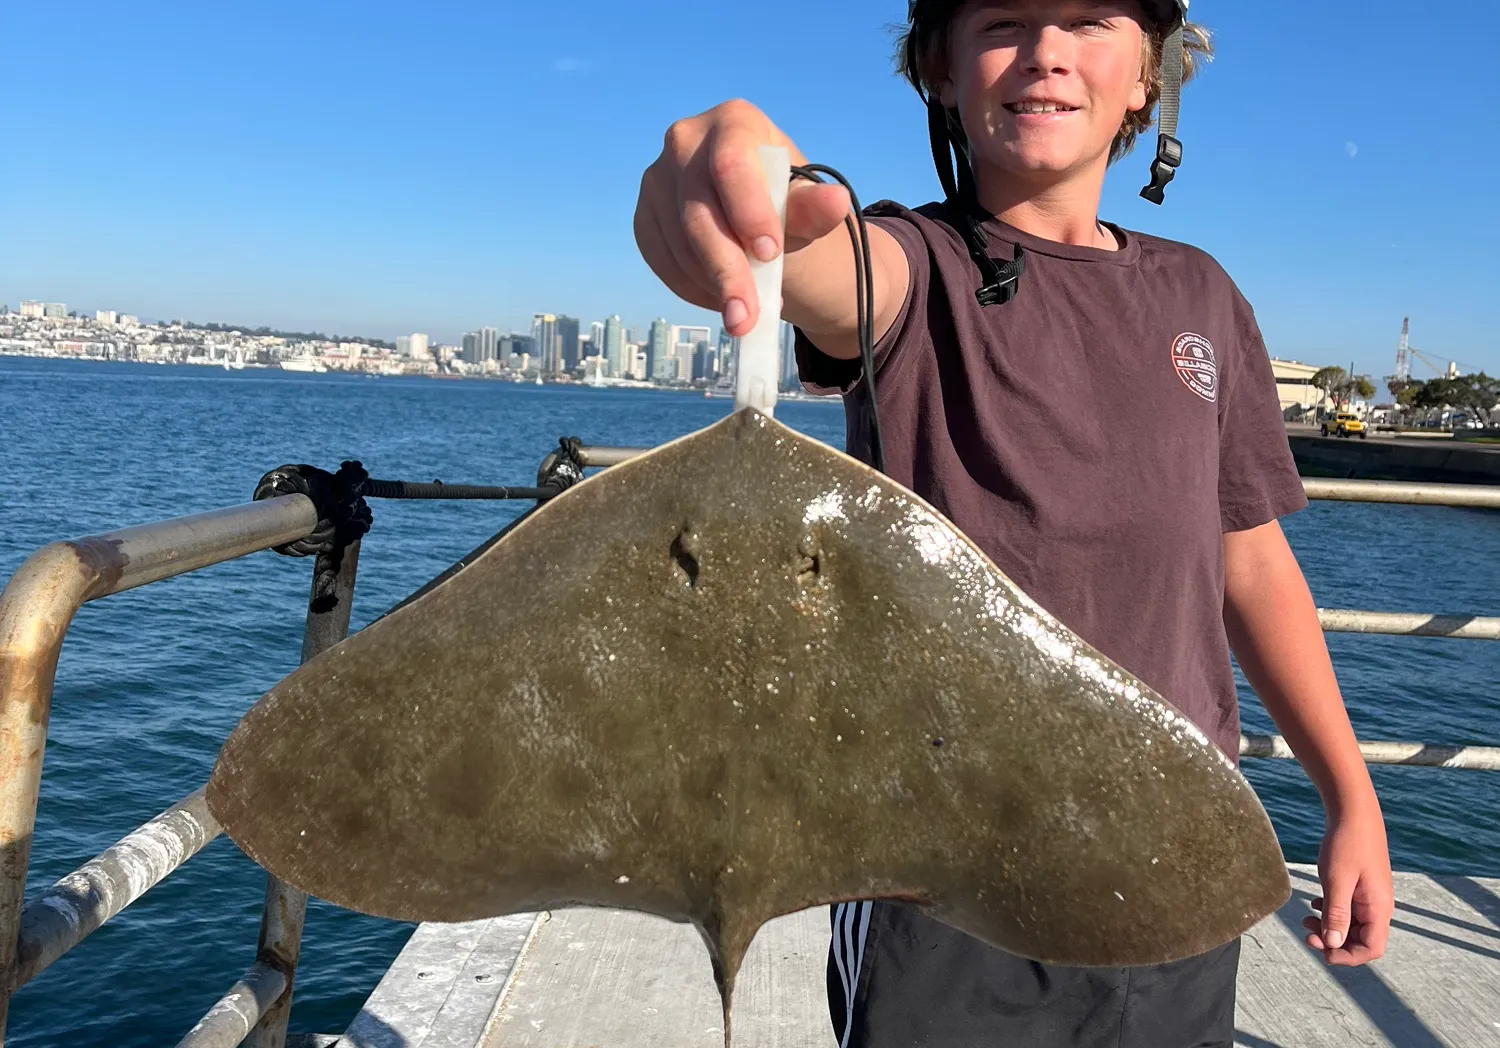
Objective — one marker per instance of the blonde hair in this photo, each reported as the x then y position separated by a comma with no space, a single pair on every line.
922,58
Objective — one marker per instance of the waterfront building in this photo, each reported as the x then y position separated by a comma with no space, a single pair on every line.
632,361
728,356
705,363
1294,386
489,344
567,336
548,349
596,338
471,347
690,334
658,346
415,348
613,346
518,351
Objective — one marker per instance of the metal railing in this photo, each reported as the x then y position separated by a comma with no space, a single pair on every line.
39,602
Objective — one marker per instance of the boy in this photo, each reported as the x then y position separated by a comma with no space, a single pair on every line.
1096,410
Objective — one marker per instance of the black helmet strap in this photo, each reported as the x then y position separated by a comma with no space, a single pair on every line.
999,282
1168,148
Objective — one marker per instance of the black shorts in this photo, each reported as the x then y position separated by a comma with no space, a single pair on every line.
897,979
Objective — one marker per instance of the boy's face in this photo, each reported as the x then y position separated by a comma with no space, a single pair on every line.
1043,85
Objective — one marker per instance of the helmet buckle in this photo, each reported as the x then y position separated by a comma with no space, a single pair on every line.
1168,160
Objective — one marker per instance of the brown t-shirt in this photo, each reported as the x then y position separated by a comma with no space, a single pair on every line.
1095,437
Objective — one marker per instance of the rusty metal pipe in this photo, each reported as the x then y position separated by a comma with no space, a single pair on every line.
36,608
229,1022
76,906
328,608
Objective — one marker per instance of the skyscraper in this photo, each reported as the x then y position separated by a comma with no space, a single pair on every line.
728,355
489,344
471,347
544,334
613,346
567,333
414,347
704,360
596,338
658,345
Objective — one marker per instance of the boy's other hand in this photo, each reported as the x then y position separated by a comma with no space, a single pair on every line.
1358,899
704,205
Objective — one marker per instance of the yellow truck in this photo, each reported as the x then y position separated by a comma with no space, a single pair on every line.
1345,424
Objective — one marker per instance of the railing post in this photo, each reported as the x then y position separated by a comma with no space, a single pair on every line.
281,922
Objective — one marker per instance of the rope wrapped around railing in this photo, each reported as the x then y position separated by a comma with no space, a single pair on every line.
344,517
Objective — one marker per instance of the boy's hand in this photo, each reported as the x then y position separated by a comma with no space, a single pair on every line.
1358,899
704,205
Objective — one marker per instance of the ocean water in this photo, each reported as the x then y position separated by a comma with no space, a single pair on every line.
151,681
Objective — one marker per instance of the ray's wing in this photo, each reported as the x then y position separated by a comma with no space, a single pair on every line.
737,677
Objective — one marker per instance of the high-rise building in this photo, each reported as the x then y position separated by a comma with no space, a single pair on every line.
418,347
471,348
728,354
30,308
596,338
658,346
56,310
632,360
518,351
705,361
789,379
128,320
489,344
613,346
686,334
548,349
105,316
567,334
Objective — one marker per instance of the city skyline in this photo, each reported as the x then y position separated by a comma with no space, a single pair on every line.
555,349
213,163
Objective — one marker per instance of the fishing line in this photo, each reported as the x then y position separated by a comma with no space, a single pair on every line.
864,291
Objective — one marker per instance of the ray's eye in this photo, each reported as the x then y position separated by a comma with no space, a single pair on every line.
686,549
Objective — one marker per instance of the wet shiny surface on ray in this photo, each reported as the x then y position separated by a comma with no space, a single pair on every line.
737,677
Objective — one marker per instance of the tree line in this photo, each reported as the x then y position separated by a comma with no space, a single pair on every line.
1475,393
291,336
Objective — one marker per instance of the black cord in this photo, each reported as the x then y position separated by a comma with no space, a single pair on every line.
864,291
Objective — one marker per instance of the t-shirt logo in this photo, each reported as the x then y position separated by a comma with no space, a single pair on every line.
1193,357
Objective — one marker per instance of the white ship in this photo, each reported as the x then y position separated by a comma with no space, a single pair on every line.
304,364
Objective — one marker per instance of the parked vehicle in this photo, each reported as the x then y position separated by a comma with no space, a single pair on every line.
1345,424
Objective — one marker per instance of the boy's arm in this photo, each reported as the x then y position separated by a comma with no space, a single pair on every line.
1273,628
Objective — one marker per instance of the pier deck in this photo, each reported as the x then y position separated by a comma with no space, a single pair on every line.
576,978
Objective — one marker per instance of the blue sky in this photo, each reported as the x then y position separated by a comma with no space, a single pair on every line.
378,167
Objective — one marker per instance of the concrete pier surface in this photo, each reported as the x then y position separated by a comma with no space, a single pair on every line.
577,978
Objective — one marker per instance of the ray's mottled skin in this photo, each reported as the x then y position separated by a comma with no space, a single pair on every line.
737,677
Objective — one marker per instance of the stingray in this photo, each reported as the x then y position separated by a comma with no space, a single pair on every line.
737,677
720,695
